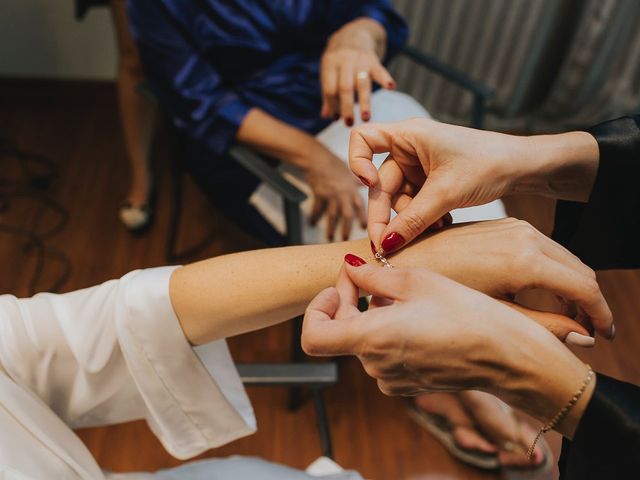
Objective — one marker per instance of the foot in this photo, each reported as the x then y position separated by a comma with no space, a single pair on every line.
483,422
136,212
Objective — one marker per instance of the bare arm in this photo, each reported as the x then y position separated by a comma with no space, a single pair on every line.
233,294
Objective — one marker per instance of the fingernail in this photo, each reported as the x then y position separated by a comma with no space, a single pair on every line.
364,181
373,248
448,219
579,340
391,85
394,240
349,121
353,260
336,117
366,116
612,333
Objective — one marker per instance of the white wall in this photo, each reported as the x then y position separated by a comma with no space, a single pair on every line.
41,38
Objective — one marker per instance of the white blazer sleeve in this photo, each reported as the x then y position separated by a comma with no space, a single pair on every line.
116,352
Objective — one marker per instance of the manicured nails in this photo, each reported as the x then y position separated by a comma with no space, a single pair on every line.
579,340
364,181
366,116
612,333
392,242
391,85
353,260
373,248
336,116
349,121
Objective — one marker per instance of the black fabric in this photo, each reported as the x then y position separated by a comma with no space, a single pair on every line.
607,442
605,232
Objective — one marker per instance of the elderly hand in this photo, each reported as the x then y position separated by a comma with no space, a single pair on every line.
349,64
434,168
427,333
506,256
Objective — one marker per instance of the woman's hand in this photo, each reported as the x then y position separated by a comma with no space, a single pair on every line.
335,191
434,168
427,333
349,64
504,257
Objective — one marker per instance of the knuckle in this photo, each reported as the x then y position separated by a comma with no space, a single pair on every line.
309,344
414,223
591,289
385,388
346,89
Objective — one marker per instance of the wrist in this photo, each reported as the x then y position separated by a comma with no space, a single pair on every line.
363,33
562,166
543,375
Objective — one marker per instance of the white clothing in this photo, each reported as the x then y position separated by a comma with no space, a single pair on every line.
386,106
103,355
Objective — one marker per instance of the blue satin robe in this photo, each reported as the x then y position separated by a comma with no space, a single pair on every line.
210,61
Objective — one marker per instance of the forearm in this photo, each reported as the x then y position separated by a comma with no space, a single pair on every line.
562,166
275,138
540,377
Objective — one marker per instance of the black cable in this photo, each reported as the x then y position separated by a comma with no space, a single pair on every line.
37,172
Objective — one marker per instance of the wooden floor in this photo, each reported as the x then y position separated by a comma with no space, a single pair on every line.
77,126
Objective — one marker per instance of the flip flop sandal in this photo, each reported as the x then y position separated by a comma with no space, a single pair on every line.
442,429
537,472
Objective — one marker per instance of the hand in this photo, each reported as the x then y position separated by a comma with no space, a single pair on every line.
335,191
503,257
349,63
426,333
434,168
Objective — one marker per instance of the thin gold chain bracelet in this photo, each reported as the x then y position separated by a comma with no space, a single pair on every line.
563,411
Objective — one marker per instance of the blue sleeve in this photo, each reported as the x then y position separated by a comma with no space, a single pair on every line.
380,11
188,88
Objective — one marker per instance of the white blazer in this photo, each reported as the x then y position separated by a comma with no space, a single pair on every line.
103,355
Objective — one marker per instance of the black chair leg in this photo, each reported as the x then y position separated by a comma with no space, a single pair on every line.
323,423
297,356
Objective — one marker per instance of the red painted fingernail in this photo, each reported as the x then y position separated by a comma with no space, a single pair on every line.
366,116
349,121
365,181
353,260
393,241
373,248
336,117
391,85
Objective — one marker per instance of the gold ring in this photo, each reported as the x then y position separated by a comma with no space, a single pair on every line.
363,75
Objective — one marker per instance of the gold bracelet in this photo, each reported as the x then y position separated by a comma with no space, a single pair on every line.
563,411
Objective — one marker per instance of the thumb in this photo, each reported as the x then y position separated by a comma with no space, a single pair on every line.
321,334
425,209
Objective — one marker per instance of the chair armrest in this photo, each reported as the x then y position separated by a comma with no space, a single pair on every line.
448,72
267,173
288,374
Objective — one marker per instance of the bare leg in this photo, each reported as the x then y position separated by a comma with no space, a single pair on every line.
137,111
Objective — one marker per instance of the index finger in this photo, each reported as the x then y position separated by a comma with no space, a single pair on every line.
381,198
366,140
